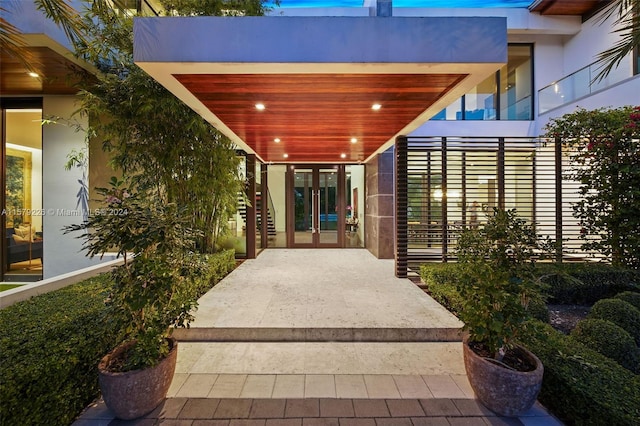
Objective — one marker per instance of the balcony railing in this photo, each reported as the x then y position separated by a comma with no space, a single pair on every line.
577,85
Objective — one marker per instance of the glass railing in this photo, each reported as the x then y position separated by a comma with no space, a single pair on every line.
577,85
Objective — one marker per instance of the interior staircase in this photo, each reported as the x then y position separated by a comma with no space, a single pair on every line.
242,209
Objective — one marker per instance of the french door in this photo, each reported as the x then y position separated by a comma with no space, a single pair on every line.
315,201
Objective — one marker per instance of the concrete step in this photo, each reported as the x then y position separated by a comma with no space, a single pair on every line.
325,334
314,358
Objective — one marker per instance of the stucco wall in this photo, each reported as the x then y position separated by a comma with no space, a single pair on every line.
62,253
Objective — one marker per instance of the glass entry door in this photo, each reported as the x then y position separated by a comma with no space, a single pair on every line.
316,197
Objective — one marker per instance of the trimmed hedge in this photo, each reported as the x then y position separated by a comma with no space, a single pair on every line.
629,297
51,345
567,283
219,265
620,313
581,386
586,283
441,279
610,340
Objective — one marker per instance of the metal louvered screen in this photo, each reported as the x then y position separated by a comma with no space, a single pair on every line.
452,182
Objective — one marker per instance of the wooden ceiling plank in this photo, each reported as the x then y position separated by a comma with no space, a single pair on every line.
315,115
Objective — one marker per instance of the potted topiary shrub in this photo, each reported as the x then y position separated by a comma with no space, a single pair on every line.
496,286
155,290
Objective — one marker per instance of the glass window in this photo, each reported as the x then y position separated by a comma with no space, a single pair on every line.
259,207
277,225
23,195
355,178
480,103
511,88
236,238
518,183
516,85
452,112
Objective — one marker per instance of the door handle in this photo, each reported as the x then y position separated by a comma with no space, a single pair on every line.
319,212
313,216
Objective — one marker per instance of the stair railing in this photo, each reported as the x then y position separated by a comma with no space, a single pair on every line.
271,211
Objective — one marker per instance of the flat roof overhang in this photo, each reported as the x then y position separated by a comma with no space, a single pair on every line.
58,70
318,77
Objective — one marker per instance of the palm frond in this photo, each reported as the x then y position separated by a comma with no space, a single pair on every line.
13,44
65,16
627,14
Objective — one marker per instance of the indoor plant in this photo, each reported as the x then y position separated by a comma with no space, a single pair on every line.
154,289
497,283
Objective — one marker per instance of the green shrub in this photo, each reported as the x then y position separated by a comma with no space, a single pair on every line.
610,340
581,386
218,266
441,280
538,309
629,297
51,345
586,283
620,313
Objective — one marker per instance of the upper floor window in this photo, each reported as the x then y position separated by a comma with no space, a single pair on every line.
506,95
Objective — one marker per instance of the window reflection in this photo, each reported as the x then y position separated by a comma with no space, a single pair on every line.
24,237
514,82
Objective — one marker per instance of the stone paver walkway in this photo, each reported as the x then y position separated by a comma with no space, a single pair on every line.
319,337
319,412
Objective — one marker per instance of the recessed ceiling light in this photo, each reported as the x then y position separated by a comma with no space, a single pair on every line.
285,155
260,107
277,140
34,74
376,107
343,155
354,140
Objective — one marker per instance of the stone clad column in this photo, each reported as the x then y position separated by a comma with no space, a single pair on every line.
380,207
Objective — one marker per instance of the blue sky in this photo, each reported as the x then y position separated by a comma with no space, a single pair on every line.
409,3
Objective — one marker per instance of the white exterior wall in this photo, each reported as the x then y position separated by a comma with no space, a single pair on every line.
62,253
577,52
277,186
594,37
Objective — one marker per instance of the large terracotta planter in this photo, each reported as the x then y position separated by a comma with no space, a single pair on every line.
133,394
504,391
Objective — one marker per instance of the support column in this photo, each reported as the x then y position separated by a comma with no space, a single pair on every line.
558,185
402,205
501,165
264,206
445,210
384,8
380,210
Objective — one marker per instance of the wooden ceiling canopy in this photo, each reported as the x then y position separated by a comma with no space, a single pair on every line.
56,74
314,117
567,7
318,77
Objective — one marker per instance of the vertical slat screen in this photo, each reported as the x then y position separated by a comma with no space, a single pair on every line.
452,182
401,198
